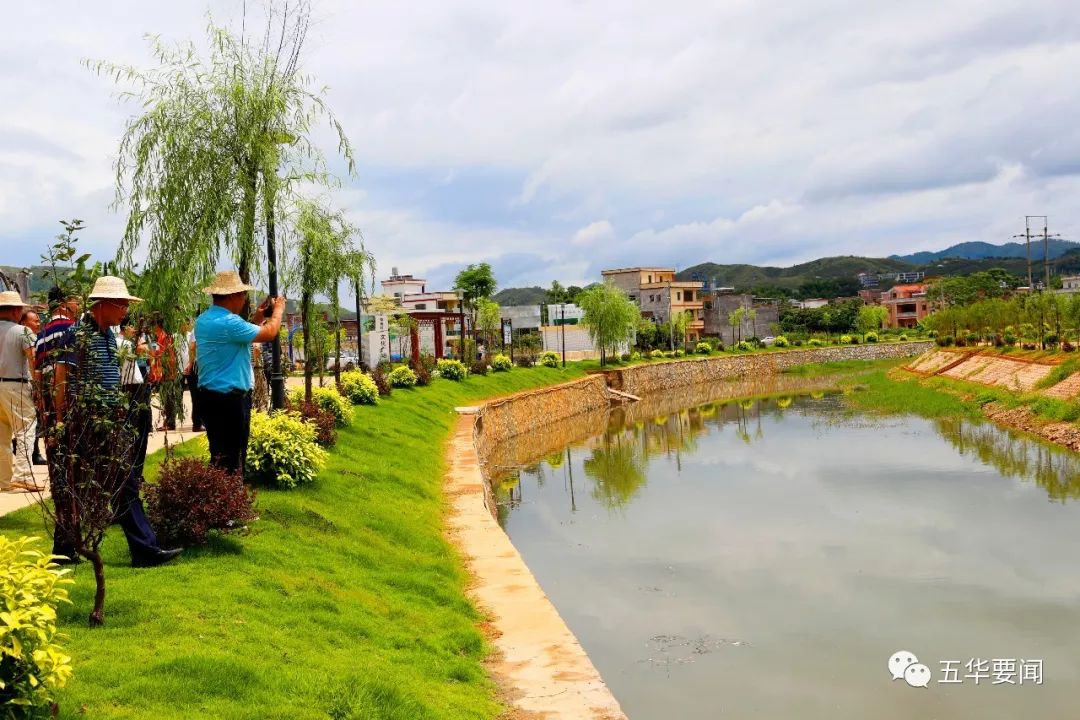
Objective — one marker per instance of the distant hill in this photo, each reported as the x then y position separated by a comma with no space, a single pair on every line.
520,296
746,277
980,250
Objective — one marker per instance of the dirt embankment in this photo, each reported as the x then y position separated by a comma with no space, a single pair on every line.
1066,434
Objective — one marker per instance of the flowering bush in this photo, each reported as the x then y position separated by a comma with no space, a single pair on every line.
359,387
282,451
744,346
658,353
549,359
635,356
872,337
703,348
402,377
32,666
501,363
329,399
451,369
780,341
192,497
846,339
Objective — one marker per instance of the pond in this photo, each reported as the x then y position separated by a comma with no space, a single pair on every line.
766,559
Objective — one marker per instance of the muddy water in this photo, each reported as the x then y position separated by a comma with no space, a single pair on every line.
764,559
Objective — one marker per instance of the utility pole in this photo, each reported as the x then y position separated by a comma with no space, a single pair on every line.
563,330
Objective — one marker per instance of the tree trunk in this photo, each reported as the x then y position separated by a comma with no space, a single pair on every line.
305,311
97,617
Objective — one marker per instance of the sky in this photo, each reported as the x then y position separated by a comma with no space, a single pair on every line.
555,139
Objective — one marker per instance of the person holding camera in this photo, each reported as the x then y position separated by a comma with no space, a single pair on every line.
223,350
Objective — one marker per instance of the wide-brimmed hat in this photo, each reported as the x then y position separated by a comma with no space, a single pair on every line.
10,298
109,287
227,282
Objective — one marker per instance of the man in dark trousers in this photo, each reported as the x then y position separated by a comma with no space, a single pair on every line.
88,365
223,343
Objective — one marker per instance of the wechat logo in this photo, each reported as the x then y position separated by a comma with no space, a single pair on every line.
904,665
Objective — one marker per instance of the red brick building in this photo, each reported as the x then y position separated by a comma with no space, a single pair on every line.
907,305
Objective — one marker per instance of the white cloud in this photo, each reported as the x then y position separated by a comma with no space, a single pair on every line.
730,132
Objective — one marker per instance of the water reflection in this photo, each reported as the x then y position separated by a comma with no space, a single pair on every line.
1055,471
762,558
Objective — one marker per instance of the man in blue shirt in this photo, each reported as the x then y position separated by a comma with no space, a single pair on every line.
223,343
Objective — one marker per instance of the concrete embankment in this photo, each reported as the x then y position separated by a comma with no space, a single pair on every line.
540,665
1016,374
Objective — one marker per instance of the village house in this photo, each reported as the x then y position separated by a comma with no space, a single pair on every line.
907,305
660,296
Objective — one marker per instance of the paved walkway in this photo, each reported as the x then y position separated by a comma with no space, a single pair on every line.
10,502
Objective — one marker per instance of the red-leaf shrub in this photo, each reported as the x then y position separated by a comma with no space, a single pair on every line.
192,497
381,381
323,420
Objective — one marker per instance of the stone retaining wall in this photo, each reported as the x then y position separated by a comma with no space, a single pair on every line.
655,377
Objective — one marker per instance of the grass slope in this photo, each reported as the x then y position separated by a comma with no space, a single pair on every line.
344,601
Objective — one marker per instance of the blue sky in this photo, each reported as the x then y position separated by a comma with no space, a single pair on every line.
554,139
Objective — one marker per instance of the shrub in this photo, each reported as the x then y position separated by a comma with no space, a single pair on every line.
656,354
359,388
329,399
669,353
451,369
815,342
780,342
744,346
680,352
703,348
872,337
282,451
192,497
402,377
972,338
625,357
479,367
32,665
1067,346
945,340
634,356
903,336
797,342
525,359
381,383
1010,338
1050,339
846,339
323,421
549,359
423,376
501,363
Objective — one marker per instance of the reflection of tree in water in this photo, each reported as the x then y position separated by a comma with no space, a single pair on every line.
616,469
1055,471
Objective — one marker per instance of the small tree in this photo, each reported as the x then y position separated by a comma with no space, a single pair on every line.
735,320
610,317
870,318
475,282
678,324
488,320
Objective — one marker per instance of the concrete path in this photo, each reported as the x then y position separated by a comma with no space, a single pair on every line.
541,667
10,502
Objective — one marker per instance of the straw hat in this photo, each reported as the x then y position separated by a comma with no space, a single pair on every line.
10,298
109,287
227,282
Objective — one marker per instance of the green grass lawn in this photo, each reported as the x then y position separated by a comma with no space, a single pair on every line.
344,600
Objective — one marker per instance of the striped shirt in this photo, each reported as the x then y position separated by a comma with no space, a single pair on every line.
93,351
49,342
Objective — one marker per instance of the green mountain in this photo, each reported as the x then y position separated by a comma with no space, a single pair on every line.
747,277
520,296
980,250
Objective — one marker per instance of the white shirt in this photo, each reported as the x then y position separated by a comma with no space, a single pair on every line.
14,341
130,374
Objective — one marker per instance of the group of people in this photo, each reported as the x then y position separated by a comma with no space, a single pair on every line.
43,370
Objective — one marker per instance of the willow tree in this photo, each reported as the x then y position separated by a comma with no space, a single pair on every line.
610,316
325,254
215,155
